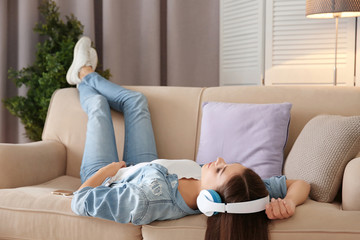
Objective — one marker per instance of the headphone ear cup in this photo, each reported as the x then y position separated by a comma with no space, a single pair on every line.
205,198
215,196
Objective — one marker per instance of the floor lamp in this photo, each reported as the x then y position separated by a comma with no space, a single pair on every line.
333,9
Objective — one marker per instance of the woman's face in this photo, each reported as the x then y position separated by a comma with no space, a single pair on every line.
215,174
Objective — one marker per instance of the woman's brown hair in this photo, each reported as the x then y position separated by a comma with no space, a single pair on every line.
227,226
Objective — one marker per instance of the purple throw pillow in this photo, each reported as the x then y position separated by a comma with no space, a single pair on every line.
251,134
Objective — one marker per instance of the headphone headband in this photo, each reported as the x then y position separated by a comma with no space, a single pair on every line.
253,206
208,206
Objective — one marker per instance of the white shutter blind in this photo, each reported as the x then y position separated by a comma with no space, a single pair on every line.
300,50
357,67
241,42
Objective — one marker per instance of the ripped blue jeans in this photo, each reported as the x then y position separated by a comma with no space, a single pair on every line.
97,96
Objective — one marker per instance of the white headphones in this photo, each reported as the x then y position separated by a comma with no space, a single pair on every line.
209,202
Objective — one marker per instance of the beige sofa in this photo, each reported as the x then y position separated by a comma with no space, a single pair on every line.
29,172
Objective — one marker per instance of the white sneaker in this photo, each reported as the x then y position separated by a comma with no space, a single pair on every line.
93,58
84,55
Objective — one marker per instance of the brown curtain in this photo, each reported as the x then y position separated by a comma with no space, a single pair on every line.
143,42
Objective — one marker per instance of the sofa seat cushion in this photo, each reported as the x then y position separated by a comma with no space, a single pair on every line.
189,228
316,220
34,213
312,220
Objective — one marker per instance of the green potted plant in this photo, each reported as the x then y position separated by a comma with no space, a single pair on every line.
53,58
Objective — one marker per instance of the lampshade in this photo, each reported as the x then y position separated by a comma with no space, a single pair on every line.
332,8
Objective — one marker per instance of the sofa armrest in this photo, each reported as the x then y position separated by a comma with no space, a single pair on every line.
31,163
351,186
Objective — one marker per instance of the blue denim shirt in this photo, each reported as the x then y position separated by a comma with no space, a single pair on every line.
149,194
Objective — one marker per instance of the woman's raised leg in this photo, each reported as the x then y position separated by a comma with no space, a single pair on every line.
139,143
100,147
96,94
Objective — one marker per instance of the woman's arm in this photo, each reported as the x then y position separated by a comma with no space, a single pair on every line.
122,203
108,171
297,193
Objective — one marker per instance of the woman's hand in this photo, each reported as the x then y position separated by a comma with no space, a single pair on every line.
108,171
111,169
297,193
280,208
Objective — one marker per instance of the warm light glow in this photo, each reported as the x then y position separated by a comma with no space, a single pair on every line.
334,15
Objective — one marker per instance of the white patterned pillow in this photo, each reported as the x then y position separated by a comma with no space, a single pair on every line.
321,151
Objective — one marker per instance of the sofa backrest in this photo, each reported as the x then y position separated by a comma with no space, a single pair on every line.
308,102
176,114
